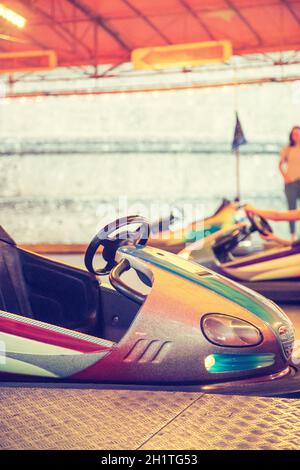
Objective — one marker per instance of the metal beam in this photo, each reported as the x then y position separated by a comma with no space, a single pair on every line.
244,20
289,7
60,30
175,87
107,72
147,21
246,63
35,41
197,17
101,23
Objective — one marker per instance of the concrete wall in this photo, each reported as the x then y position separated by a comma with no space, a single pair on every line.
59,198
267,112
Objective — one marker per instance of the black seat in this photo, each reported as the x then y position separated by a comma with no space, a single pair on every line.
13,292
46,290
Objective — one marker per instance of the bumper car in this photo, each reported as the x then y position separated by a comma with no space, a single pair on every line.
166,235
188,329
273,272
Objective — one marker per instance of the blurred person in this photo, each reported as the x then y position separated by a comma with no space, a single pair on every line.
290,216
289,167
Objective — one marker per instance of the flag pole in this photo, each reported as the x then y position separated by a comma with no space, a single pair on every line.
238,174
237,148
238,140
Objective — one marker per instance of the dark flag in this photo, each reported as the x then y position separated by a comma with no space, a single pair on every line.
238,138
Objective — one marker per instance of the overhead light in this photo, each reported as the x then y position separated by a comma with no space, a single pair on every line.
12,17
6,37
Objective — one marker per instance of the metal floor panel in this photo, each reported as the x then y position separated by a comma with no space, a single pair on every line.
41,418
82,418
230,423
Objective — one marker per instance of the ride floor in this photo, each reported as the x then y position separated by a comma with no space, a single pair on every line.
88,417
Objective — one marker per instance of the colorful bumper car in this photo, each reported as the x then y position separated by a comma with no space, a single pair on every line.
273,272
173,233
187,329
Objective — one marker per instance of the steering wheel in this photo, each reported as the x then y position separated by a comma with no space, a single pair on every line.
226,242
259,224
111,237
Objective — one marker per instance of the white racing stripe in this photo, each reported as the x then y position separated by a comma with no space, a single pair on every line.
18,344
29,357
14,366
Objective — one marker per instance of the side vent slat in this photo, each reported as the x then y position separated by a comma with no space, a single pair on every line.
146,351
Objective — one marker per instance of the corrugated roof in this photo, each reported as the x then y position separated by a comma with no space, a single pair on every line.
86,32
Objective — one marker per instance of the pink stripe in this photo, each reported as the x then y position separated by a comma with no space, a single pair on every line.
45,335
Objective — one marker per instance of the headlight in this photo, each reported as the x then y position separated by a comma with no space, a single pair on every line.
224,330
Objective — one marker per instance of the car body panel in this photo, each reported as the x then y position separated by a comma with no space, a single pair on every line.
171,325
280,263
165,343
273,264
175,239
